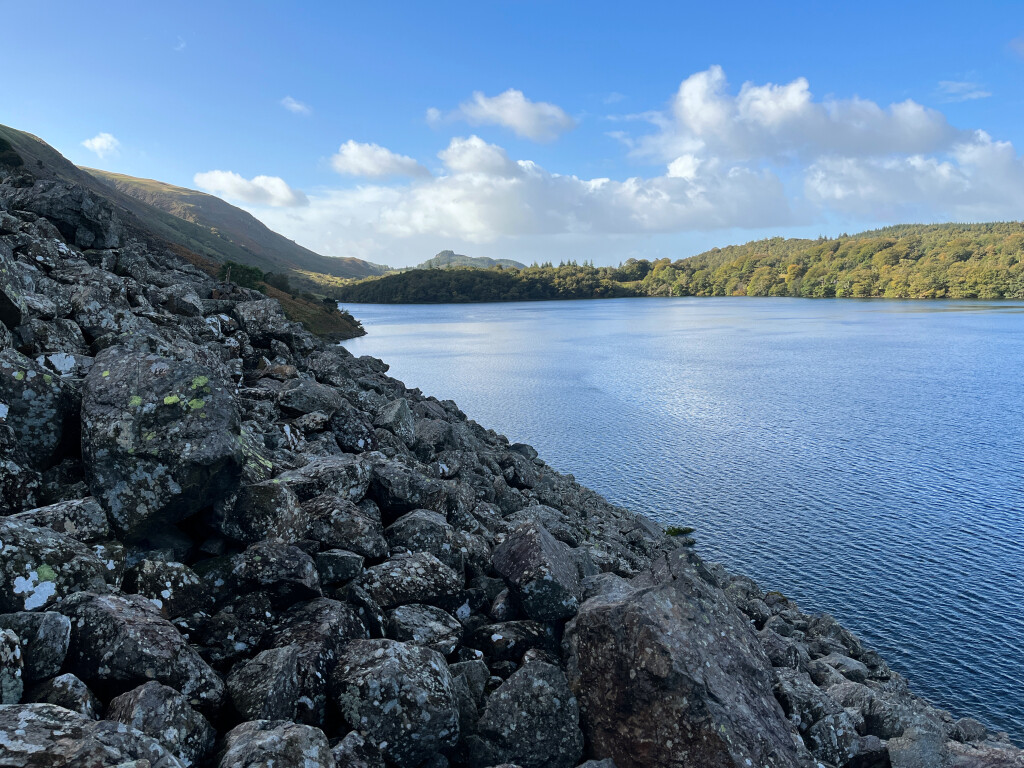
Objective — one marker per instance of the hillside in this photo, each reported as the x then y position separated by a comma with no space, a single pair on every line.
203,247
912,261
447,259
234,228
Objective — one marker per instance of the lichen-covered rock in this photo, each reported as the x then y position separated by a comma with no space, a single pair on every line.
397,419
335,522
319,630
532,719
352,430
44,638
275,744
397,488
337,566
66,691
35,407
121,641
39,567
425,625
399,697
669,673
172,587
45,735
423,530
160,438
301,396
12,662
538,569
262,320
419,578
346,476
164,714
266,687
509,640
81,519
265,510
283,571
353,752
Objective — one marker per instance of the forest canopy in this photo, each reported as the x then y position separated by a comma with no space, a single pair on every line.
957,261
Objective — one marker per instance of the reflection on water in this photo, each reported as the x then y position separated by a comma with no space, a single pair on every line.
864,457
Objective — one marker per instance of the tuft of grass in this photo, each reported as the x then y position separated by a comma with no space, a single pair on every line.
675,530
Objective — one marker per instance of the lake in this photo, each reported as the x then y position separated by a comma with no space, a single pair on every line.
866,458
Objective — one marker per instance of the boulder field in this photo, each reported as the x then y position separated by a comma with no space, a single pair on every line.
227,543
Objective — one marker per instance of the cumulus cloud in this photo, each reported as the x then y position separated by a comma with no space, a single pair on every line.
260,190
757,156
962,90
537,120
374,161
295,106
102,144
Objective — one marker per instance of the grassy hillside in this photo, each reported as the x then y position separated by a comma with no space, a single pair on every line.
231,228
448,259
198,244
963,261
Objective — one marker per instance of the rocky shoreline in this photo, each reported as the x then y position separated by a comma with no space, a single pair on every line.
226,542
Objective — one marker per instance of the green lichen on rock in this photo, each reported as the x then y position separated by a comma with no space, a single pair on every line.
196,403
172,400
135,401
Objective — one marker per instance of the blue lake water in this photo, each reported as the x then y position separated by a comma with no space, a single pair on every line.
866,458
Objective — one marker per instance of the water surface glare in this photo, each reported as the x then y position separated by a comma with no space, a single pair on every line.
866,458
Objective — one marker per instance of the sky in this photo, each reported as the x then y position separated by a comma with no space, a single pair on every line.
538,131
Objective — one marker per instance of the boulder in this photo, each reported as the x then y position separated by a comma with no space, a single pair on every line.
121,641
532,719
69,692
39,567
35,407
172,587
43,735
336,566
283,571
352,430
301,396
397,419
160,439
539,571
419,578
423,530
335,522
164,714
44,638
318,630
275,744
265,510
346,476
266,687
425,625
399,697
12,663
81,519
669,673
398,489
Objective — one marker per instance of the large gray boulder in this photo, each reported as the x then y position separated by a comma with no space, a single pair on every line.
38,567
45,735
399,697
35,407
668,672
12,664
275,744
160,438
44,637
121,641
164,714
532,720
419,578
540,572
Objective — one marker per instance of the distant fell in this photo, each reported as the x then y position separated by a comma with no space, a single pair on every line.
447,259
235,228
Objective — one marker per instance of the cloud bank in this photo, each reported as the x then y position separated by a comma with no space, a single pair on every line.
758,156
536,120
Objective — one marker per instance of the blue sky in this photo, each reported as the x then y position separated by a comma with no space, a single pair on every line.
537,130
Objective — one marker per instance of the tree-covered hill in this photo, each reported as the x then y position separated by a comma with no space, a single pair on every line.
958,261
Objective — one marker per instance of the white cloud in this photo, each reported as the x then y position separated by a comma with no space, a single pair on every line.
295,106
102,144
373,160
962,90
759,156
537,120
260,190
